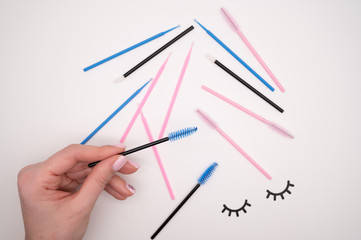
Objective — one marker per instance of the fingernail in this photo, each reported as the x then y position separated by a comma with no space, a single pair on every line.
119,163
131,188
134,164
119,145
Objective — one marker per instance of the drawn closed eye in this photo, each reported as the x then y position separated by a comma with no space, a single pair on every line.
289,184
243,208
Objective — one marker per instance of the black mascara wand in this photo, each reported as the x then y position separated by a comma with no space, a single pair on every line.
202,180
219,64
173,136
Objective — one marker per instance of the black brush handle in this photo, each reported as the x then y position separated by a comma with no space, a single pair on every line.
175,211
136,149
248,86
159,51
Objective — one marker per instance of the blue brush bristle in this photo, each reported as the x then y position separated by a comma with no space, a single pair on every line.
185,132
207,174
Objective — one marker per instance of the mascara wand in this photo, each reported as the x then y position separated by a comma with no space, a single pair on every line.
236,28
272,125
173,136
214,125
202,180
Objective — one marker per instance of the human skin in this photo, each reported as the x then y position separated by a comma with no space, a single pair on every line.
58,195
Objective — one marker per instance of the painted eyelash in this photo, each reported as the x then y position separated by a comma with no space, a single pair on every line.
243,208
289,184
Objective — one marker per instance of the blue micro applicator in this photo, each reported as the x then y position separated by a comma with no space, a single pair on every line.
235,56
128,49
114,113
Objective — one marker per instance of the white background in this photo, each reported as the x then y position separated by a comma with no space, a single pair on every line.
313,47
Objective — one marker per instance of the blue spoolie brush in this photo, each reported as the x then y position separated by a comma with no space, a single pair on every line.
114,113
235,56
128,49
173,136
202,180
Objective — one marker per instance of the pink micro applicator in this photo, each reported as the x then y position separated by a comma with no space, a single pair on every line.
156,153
272,125
175,93
212,124
170,108
235,27
144,100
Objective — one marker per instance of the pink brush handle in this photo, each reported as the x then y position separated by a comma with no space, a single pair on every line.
244,153
273,125
144,100
235,27
158,157
250,47
175,93
235,104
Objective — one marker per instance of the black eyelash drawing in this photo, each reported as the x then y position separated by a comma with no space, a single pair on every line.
289,184
243,208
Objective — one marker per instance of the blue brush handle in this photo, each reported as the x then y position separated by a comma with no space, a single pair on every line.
113,114
128,49
236,57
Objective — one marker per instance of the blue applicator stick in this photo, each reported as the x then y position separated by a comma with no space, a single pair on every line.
128,49
235,56
114,113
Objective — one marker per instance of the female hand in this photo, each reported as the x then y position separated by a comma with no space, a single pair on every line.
58,195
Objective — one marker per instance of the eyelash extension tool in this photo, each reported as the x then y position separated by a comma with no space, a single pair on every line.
175,93
173,136
155,150
212,124
202,180
114,113
235,56
236,28
239,79
130,125
128,49
157,156
272,125
179,36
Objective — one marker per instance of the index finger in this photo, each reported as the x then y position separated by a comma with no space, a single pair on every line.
68,157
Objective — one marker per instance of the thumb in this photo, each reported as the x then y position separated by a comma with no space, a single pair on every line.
99,177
